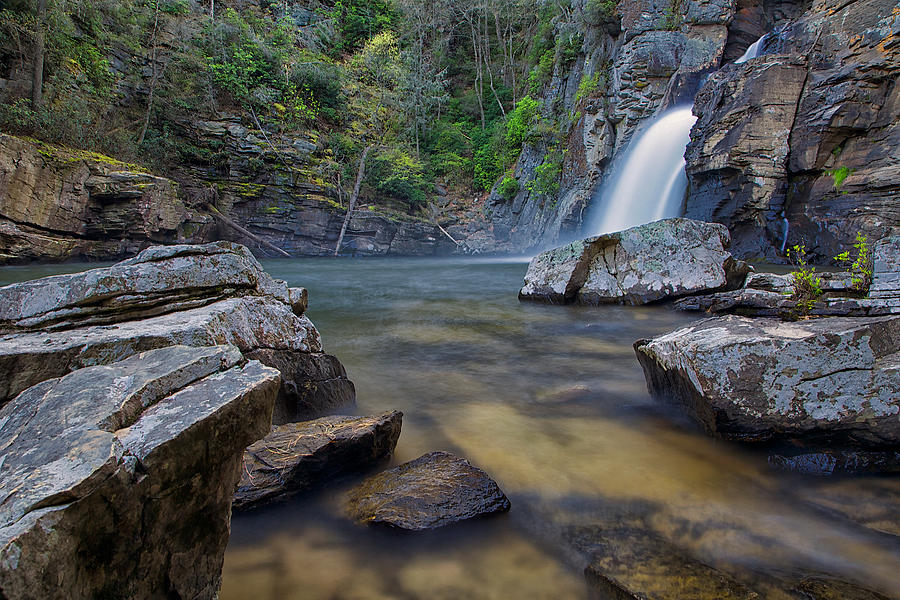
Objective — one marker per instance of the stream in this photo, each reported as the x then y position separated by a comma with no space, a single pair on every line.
551,402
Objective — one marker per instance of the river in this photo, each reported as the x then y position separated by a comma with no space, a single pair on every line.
552,403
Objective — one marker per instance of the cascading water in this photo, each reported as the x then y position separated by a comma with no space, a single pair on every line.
753,51
651,183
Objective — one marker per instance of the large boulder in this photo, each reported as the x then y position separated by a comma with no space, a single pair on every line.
660,260
834,381
116,481
294,457
190,295
434,490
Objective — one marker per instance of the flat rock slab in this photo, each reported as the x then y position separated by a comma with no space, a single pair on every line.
832,380
648,263
159,280
630,564
434,490
297,456
120,476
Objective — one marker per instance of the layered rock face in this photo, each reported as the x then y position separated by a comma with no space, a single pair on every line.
58,204
803,141
835,380
665,259
188,295
116,481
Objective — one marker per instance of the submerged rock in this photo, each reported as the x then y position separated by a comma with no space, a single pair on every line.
629,563
116,481
834,380
297,456
190,295
648,263
434,490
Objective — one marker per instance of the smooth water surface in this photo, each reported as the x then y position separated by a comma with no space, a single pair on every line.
551,402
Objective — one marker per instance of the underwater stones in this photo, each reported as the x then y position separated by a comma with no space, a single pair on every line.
297,456
833,381
434,490
633,564
648,263
116,480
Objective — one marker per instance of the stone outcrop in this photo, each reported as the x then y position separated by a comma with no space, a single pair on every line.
770,295
804,136
297,456
117,480
173,295
59,204
434,490
834,382
661,260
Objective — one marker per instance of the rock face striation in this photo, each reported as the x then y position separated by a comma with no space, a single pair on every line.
434,490
661,260
58,204
805,136
116,481
169,295
834,381
294,457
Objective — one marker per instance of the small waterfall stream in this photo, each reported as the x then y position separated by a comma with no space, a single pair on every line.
650,183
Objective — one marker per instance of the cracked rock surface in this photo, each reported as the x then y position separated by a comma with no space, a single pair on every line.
116,481
665,259
834,381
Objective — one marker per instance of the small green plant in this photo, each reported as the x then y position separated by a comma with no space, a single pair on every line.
597,11
860,267
508,188
807,285
588,86
839,174
547,175
672,18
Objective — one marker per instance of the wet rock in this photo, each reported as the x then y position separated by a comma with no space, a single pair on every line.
886,269
634,564
434,490
837,462
116,481
834,381
297,456
665,259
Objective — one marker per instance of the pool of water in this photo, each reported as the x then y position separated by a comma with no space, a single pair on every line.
552,403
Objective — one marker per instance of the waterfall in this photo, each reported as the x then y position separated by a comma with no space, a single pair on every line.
753,51
651,182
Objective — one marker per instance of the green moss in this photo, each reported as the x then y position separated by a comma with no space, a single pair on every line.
839,174
65,156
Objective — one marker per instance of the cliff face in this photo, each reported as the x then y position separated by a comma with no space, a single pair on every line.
805,138
58,204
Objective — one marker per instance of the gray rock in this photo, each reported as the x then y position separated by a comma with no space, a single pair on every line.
116,481
661,260
886,269
434,490
297,456
157,281
832,380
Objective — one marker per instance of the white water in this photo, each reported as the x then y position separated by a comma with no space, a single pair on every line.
753,51
651,182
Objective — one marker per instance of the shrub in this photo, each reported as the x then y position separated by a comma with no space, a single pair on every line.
508,188
860,267
807,285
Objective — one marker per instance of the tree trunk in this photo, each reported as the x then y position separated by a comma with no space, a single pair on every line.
37,77
359,177
212,11
153,79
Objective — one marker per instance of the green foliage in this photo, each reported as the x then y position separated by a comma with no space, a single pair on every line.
396,174
839,174
175,7
508,187
672,18
598,11
359,20
590,86
520,121
541,72
807,285
860,266
547,175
